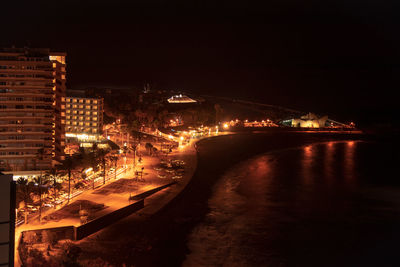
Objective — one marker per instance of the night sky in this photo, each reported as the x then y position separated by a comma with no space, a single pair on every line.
335,57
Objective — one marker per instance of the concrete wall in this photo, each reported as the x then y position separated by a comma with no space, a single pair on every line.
104,221
152,191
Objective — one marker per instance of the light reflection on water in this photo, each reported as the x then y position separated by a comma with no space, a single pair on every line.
296,207
307,164
349,164
328,162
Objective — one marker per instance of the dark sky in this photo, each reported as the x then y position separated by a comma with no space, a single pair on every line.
335,57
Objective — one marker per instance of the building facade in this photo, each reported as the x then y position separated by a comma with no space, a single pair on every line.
84,117
32,88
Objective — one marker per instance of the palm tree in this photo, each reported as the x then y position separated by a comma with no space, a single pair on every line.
101,154
149,147
68,165
40,156
91,159
113,159
38,184
133,148
24,190
54,174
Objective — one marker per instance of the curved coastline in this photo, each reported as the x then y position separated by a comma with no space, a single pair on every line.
158,236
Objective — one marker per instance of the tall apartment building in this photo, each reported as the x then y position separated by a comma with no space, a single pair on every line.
84,116
32,87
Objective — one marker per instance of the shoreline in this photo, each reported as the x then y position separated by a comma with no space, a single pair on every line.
146,239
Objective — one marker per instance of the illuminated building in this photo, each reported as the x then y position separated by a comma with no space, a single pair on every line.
180,99
311,120
84,117
32,86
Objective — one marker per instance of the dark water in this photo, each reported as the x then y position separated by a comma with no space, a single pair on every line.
330,203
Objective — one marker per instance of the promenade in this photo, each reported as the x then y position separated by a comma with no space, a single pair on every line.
116,194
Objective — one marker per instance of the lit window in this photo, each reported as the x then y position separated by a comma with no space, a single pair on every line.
68,99
94,130
81,118
94,107
74,106
94,101
94,124
80,100
95,113
87,107
63,99
75,117
63,106
74,100
68,122
68,117
74,111
87,101
74,123
62,113
68,111
81,123
80,106
81,112
87,112
87,123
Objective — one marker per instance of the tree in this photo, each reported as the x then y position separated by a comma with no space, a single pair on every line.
149,148
39,186
54,174
70,254
101,155
90,159
23,190
68,165
94,157
113,159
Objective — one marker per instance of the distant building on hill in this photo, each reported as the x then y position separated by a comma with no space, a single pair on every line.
180,99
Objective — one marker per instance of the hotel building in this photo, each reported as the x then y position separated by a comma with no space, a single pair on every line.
84,117
32,87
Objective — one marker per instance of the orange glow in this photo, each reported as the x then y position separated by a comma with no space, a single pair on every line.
308,151
226,125
307,164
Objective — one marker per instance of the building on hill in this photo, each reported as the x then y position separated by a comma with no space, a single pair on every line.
180,99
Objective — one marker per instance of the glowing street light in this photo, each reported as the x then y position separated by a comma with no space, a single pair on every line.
226,125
